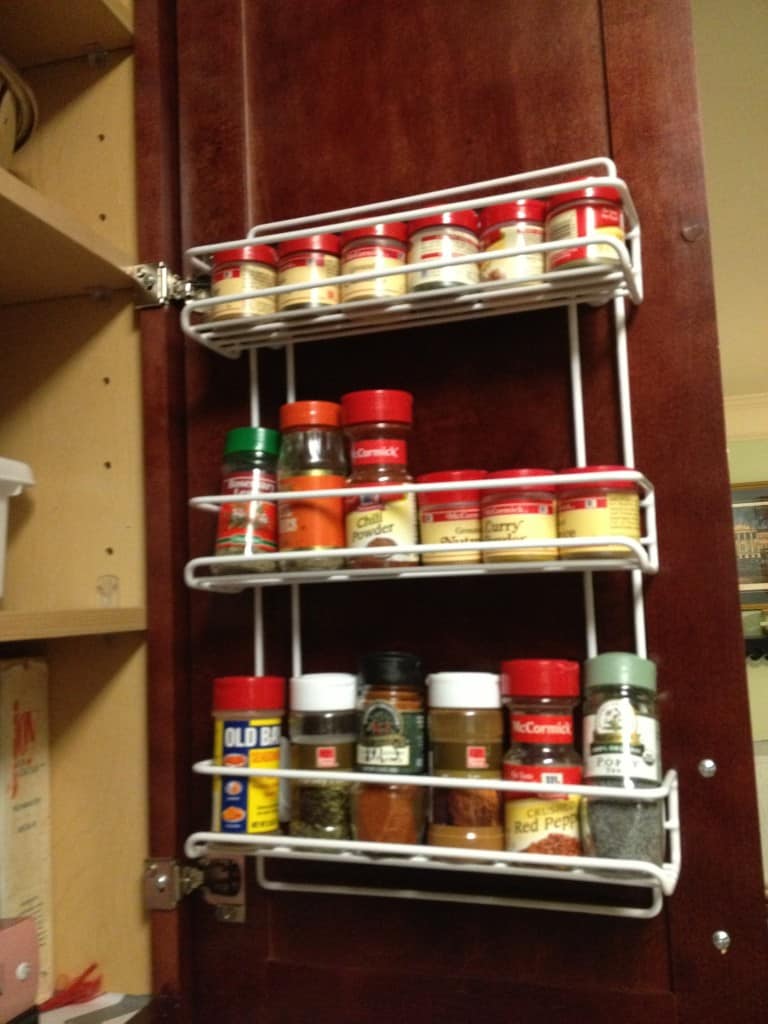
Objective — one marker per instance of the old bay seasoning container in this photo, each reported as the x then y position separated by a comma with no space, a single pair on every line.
598,508
519,513
247,269
589,210
443,236
450,517
542,694
516,225
391,741
377,248
247,714
311,457
377,424
308,261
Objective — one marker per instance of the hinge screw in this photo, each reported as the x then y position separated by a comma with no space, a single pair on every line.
721,940
707,768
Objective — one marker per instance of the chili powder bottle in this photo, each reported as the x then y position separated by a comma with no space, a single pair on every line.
391,742
377,424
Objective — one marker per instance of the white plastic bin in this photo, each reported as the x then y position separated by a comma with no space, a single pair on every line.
13,477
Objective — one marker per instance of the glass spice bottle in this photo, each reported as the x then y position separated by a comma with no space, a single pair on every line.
591,210
519,513
598,508
391,741
248,527
378,247
516,225
247,269
450,517
465,729
543,694
377,423
322,730
309,261
311,457
443,236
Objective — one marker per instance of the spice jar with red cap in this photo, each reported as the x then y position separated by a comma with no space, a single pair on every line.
598,508
542,694
516,225
450,517
443,236
373,249
589,210
519,513
377,424
247,716
309,261
246,269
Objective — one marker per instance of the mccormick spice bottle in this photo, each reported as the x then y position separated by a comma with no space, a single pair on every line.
247,269
311,457
443,236
600,508
516,225
309,261
450,517
542,695
519,513
390,741
590,210
377,425
377,248
465,735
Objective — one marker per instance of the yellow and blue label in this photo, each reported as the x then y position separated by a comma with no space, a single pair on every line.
242,804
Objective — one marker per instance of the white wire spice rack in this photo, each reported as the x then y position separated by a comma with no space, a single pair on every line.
612,284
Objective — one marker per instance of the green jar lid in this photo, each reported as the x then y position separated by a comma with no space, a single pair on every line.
620,669
252,439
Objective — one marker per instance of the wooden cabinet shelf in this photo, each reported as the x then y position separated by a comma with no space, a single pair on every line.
48,625
31,36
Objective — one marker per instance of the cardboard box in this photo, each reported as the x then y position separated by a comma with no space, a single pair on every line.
25,830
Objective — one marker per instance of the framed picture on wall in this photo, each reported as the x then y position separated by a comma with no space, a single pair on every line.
749,503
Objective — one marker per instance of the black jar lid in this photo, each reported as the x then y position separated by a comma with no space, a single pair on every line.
393,668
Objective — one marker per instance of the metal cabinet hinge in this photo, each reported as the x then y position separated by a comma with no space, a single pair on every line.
159,286
220,879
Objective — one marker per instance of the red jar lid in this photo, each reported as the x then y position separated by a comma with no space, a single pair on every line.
539,677
246,693
256,253
312,243
309,414
377,406
614,485
499,473
458,218
395,230
599,192
440,497
521,209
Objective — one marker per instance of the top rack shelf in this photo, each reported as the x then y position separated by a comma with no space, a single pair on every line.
593,285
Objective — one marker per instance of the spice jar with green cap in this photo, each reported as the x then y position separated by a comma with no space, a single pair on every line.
622,748
248,527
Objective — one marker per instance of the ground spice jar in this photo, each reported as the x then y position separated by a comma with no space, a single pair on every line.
248,527
443,236
376,248
308,261
519,513
311,456
542,693
377,424
591,210
247,269
391,741
322,731
450,517
609,508
622,748
465,729
247,715
515,225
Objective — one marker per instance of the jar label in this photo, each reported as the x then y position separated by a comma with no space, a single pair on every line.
544,729
312,522
381,521
446,244
391,740
243,804
308,268
326,757
542,822
379,453
367,259
450,526
510,268
250,527
234,280
579,221
609,515
620,743
520,520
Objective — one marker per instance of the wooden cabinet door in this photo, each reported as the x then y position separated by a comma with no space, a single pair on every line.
279,109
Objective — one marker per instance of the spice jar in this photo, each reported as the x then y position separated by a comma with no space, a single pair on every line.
377,248
323,730
247,269
515,225
248,527
592,210
622,748
450,517
311,457
308,261
519,513
465,735
391,742
443,236
609,508
377,424
247,717
543,693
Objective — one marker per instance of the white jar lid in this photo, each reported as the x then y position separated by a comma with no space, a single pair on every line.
324,691
464,690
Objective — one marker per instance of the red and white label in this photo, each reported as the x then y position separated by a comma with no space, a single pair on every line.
325,757
519,508
582,504
477,757
545,729
379,453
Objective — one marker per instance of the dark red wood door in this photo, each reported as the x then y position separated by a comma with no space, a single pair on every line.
301,106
